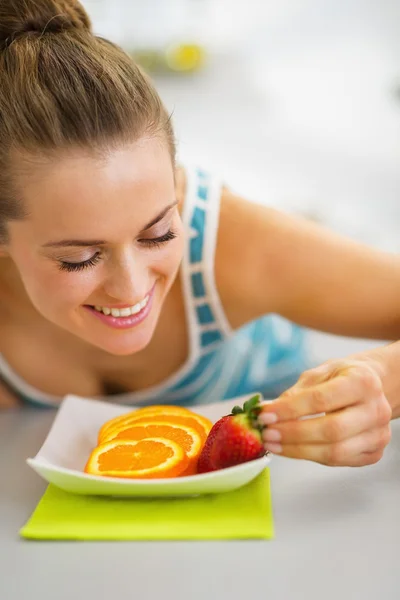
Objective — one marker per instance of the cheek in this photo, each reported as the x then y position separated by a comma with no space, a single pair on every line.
50,289
178,245
172,257
167,260
70,290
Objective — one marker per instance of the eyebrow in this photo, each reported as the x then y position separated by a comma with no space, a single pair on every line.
90,243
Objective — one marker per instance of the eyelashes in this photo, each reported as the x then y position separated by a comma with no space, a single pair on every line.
94,260
157,242
73,267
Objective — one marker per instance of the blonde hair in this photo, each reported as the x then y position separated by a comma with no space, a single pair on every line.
62,87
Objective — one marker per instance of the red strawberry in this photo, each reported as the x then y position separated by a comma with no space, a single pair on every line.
234,439
203,464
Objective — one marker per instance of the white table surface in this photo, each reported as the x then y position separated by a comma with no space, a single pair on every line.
337,537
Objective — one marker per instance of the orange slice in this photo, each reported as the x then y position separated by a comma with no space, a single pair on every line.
197,422
162,408
149,458
187,437
146,410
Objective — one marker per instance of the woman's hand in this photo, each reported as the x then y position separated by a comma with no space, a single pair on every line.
354,427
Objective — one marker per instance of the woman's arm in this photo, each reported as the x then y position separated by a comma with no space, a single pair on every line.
268,262
271,262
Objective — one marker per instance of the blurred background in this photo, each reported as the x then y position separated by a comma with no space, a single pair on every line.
296,103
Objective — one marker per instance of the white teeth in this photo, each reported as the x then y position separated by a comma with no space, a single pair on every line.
145,301
123,312
135,309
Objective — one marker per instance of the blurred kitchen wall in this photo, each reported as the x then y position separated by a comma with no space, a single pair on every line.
296,103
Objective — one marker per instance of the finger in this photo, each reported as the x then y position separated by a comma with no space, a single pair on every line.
360,450
365,448
332,368
333,427
368,458
337,393
319,374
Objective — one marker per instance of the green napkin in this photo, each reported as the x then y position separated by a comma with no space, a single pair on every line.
245,513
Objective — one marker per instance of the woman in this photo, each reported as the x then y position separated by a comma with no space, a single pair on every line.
122,275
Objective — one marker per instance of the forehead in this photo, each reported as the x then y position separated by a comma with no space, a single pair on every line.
81,193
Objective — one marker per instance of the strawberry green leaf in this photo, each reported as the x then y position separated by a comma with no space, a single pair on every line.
251,404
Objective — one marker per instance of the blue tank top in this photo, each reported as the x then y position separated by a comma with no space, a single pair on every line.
266,356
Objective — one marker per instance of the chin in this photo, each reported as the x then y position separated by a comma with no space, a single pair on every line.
124,348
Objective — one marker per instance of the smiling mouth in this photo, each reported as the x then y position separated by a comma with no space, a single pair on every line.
127,311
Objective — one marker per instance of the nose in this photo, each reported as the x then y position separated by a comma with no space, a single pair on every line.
127,279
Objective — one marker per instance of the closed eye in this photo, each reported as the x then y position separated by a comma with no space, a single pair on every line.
158,241
80,266
72,267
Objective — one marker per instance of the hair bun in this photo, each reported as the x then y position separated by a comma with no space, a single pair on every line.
19,17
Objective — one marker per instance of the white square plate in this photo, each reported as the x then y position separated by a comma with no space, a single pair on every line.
73,436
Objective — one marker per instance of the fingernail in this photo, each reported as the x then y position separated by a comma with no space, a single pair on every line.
267,418
271,435
274,448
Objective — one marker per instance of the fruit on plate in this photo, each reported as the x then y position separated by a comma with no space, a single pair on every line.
138,413
197,422
187,437
234,439
144,459
171,441
185,428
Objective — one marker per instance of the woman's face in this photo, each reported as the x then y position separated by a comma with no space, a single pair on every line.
102,243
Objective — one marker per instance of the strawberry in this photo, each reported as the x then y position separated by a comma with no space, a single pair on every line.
234,439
